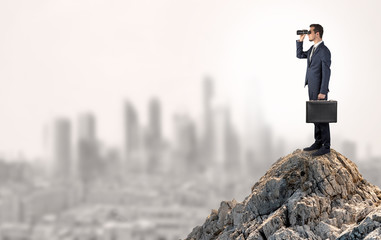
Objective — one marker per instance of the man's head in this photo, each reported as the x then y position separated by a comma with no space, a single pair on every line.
316,32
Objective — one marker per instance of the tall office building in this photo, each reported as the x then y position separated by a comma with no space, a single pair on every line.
221,135
154,139
185,145
61,149
207,121
89,164
131,131
86,126
131,136
154,119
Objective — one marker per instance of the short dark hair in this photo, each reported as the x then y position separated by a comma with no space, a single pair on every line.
318,28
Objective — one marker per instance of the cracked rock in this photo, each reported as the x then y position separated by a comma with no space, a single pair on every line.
301,197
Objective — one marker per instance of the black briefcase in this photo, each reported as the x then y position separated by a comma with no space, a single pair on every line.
321,111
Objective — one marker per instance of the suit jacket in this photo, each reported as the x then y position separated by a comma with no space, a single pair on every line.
318,69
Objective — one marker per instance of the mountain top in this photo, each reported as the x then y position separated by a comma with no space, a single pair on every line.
301,197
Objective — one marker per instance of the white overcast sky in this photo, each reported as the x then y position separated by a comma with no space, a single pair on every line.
63,57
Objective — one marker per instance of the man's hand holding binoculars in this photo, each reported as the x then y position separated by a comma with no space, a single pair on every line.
302,34
302,37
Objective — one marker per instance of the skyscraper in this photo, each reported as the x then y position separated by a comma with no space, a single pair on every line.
131,134
61,149
86,126
207,123
221,135
154,120
185,145
154,135
89,164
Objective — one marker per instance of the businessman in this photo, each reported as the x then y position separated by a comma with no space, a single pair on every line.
317,79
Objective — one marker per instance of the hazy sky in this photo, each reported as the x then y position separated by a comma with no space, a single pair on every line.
63,57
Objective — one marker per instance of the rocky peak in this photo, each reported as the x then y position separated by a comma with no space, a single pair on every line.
301,197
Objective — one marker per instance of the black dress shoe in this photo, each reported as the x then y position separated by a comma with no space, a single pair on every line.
323,150
314,146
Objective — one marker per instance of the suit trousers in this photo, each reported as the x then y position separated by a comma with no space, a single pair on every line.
322,133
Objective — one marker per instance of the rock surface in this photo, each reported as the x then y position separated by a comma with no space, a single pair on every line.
301,197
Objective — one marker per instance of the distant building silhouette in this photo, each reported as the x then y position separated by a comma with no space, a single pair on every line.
131,133
154,135
207,121
185,145
89,164
87,126
154,118
61,149
222,132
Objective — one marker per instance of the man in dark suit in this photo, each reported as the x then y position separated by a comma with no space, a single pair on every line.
317,79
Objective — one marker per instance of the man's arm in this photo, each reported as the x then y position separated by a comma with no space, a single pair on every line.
326,72
299,48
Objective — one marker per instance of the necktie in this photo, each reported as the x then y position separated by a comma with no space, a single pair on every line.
312,52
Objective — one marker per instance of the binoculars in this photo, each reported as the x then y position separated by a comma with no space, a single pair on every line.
302,32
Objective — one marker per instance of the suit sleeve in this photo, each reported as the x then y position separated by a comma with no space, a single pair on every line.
326,72
299,50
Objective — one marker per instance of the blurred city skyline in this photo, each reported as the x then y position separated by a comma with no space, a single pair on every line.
249,130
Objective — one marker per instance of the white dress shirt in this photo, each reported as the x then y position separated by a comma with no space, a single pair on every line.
314,48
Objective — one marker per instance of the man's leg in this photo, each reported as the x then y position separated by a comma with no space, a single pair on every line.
325,135
318,133
325,138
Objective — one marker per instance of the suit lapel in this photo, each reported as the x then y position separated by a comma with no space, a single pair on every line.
308,56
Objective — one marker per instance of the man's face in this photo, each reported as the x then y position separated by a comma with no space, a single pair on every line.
312,35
